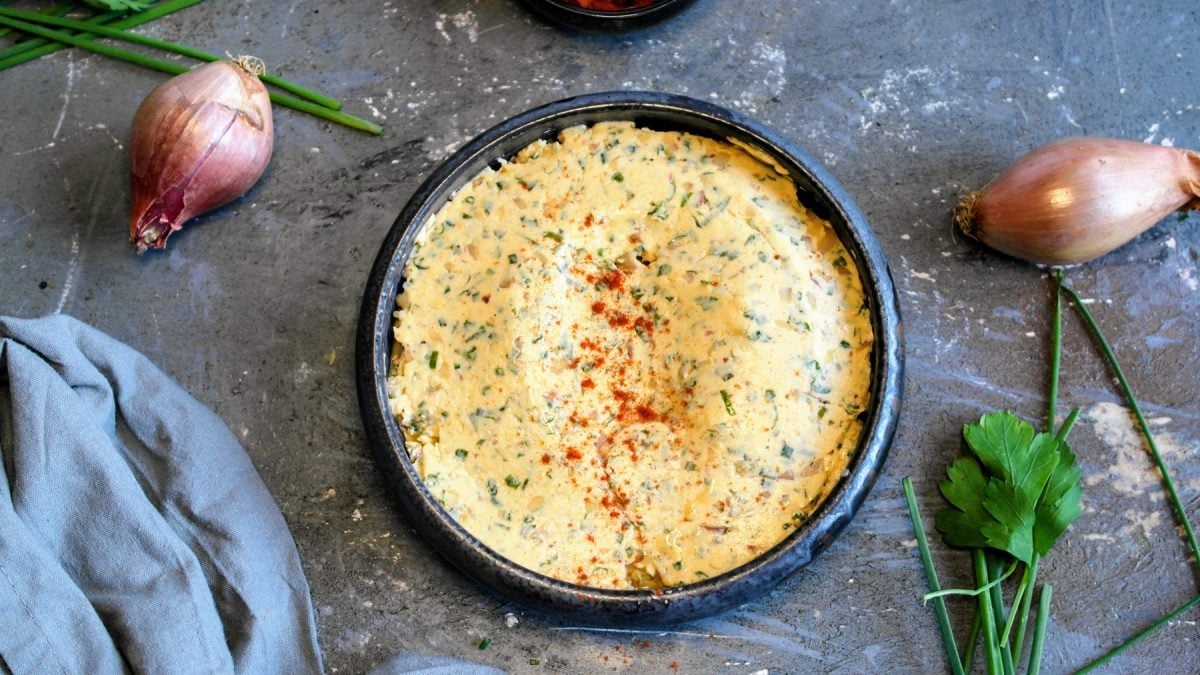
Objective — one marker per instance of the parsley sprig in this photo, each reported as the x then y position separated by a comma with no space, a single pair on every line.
1011,496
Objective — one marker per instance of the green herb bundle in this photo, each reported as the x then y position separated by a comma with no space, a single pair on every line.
50,30
1011,496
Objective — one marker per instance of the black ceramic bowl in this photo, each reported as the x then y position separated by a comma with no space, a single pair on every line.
607,20
817,189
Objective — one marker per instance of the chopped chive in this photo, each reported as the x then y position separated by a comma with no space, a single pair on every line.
728,403
433,359
512,481
483,644
460,453
553,235
618,177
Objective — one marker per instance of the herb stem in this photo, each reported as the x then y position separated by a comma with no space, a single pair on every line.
1055,353
176,69
931,578
994,566
988,619
57,10
1028,584
972,638
155,12
1131,400
1067,425
1039,630
191,52
1140,636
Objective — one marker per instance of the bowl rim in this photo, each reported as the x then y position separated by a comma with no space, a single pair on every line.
573,16
597,606
605,14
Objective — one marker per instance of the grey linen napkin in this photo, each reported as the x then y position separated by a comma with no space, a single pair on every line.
135,534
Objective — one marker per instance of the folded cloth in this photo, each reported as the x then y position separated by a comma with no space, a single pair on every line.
135,534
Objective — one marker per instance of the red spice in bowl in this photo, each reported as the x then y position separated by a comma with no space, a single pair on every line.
611,5
607,16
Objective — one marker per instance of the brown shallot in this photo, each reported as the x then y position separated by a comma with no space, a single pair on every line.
1076,199
200,140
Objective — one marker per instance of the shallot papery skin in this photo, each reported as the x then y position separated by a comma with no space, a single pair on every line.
1076,199
200,140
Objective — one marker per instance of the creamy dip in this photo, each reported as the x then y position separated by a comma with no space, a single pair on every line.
630,358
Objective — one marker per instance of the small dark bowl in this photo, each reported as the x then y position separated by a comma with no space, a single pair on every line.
817,189
607,21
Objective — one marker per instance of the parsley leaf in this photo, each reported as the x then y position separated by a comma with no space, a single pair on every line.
964,490
1060,504
1017,491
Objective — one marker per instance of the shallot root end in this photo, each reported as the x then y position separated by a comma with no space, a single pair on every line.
964,214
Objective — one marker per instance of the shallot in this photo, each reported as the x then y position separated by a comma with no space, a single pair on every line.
1076,199
200,140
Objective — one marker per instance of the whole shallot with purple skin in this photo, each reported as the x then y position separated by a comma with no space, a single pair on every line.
200,140
1076,199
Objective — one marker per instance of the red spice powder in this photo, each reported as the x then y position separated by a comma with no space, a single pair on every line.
611,5
598,307
614,279
618,320
546,459
588,384
572,453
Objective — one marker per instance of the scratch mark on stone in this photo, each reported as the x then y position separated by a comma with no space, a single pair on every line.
72,73
1112,37
69,282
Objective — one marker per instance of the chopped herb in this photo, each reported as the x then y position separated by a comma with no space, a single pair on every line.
535,662
619,177
512,258
663,269
845,345
678,564
717,210
433,359
770,394
728,402
553,235
683,202
483,644
491,488
839,261
690,466
660,209
461,453
500,372
471,353
787,451
512,481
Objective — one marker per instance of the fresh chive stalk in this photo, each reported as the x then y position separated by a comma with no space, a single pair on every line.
176,69
111,20
191,52
1140,636
1131,400
1039,630
939,604
57,10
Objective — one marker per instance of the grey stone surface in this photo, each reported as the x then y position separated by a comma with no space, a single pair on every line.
253,307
